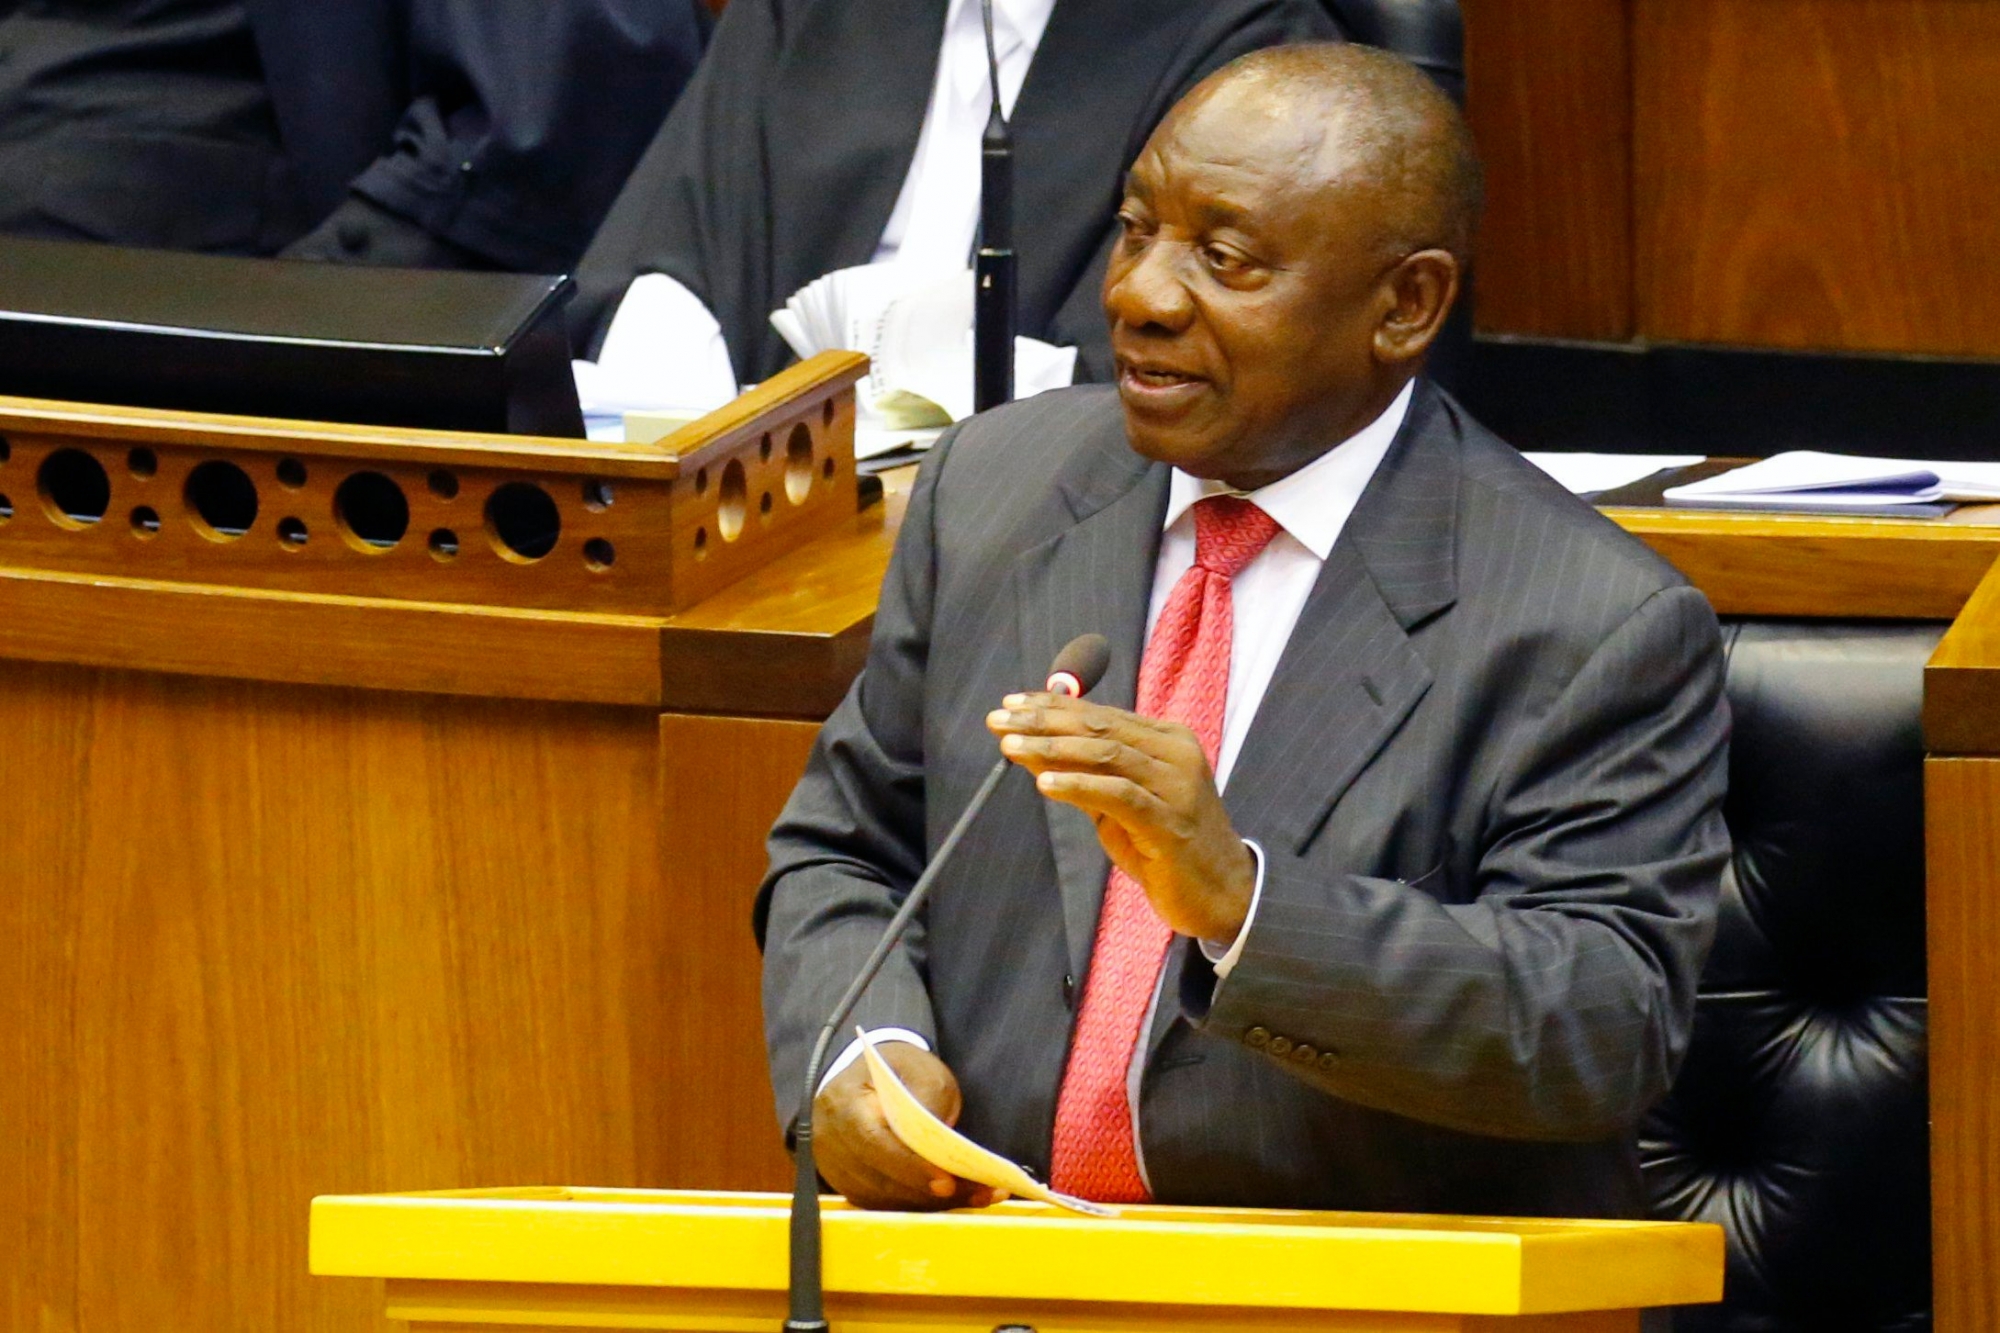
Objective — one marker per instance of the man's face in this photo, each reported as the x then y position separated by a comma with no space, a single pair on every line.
1245,291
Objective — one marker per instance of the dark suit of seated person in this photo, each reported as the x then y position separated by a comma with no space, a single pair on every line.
822,135
1383,878
424,133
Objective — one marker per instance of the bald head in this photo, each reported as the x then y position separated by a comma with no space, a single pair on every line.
1292,238
1372,121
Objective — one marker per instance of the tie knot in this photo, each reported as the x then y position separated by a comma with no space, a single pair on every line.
1229,532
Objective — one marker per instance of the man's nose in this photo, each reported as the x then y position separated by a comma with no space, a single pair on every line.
1151,291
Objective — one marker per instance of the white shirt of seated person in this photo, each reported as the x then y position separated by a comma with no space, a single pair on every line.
664,347
1311,506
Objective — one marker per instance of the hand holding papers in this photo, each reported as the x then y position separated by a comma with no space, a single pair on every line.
945,1148
1842,484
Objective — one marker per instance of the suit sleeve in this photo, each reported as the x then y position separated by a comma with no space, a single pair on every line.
695,206
523,123
1555,1004
851,841
1079,322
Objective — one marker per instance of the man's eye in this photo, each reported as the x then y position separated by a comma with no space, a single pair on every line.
1224,260
1133,233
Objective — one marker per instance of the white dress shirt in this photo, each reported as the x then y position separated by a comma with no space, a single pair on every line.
1311,506
664,348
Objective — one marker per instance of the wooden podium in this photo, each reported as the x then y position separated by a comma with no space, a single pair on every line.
549,1259
363,826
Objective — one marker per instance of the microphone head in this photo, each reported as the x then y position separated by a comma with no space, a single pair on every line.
1080,665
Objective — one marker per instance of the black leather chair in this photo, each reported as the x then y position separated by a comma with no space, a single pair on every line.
1799,1121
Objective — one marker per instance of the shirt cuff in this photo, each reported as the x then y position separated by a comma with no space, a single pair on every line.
1224,955
853,1051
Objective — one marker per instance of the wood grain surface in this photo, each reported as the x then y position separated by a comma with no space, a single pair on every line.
1810,173
1962,844
784,641
1962,679
1549,95
268,942
432,516
722,783
1752,564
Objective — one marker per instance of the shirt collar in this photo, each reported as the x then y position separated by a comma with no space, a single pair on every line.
1313,503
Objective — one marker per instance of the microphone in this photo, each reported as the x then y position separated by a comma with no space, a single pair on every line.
993,309
1076,670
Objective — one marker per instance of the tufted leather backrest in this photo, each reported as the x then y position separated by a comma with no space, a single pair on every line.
1799,1121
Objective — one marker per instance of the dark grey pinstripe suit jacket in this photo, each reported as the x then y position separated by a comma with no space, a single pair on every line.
1487,778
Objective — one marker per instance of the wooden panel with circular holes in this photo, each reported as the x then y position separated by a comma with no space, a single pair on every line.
493,523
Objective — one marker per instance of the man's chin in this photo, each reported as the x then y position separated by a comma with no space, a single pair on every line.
1196,453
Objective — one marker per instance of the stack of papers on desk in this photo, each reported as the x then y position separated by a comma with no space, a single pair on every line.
915,324
1811,482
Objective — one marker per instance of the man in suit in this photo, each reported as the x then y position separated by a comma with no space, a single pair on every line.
425,133
823,134
1378,871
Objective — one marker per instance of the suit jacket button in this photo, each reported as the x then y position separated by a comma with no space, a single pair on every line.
1327,1062
1280,1046
1304,1054
1069,989
1257,1038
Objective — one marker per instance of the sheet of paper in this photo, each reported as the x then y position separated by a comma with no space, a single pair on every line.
1587,474
664,351
915,324
872,440
1803,470
1926,504
944,1147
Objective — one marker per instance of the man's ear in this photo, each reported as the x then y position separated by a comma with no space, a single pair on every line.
1422,289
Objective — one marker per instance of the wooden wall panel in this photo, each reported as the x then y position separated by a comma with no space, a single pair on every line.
265,942
44,753
1549,96
722,783
1818,173
1961,798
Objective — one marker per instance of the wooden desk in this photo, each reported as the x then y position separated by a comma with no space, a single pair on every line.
467,900
307,892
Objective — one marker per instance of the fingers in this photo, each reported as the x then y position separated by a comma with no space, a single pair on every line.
859,1154
1059,715
1045,733
1042,754
1134,807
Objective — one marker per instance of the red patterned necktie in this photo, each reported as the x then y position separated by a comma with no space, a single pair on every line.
1183,678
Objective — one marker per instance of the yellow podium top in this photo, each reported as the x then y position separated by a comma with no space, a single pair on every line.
1155,1255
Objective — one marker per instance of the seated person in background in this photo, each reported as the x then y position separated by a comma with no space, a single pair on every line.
427,133
1381,880
822,134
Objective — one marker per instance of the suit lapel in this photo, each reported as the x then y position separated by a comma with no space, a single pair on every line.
1095,577
1349,675
849,105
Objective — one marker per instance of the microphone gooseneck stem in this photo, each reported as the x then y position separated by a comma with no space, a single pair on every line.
993,321
808,1305
993,309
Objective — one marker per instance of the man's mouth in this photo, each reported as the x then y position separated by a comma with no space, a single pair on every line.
1152,386
1160,378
